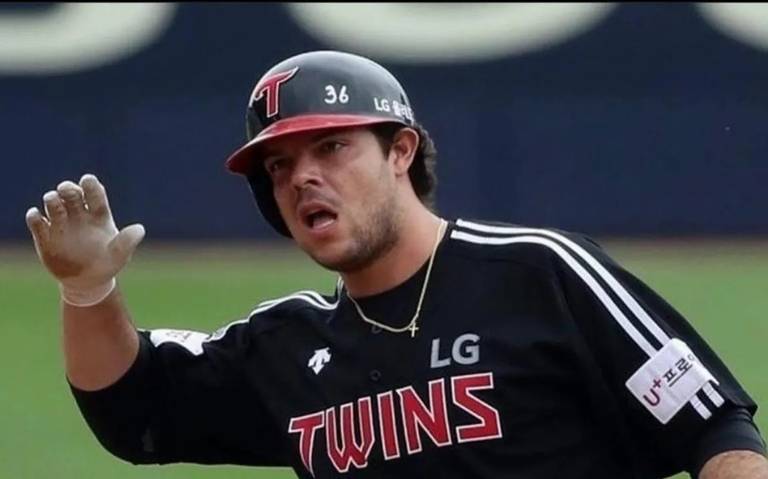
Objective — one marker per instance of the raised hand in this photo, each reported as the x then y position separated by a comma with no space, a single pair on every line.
78,242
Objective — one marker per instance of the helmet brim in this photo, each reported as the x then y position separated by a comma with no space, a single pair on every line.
243,160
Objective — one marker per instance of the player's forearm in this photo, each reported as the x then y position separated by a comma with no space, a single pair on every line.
736,465
100,343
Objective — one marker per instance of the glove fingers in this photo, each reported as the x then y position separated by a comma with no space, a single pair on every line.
72,196
38,226
55,210
95,197
124,244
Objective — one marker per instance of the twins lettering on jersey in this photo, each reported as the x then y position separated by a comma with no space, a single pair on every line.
347,446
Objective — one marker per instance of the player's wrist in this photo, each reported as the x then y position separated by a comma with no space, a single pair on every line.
84,297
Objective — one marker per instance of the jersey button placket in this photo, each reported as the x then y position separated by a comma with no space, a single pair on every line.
375,329
375,375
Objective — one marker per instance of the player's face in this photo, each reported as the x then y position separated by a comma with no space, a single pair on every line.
336,191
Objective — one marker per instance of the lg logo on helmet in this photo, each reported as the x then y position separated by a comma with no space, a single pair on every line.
388,105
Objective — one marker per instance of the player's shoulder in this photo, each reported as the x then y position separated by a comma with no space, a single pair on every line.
306,304
535,246
299,306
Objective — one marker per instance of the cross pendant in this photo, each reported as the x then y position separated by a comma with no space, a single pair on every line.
413,329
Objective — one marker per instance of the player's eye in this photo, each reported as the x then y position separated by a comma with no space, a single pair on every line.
275,165
329,147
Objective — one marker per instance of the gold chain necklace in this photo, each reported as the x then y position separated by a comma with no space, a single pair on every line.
412,324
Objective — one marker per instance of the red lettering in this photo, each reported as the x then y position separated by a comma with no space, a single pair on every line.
389,441
306,427
433,420
350,451
489,426
270,87
348,445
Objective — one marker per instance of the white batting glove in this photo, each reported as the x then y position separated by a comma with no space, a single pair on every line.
78,242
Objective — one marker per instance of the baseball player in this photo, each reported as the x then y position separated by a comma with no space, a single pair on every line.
449,347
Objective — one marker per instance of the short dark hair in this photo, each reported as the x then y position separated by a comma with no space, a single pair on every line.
422,170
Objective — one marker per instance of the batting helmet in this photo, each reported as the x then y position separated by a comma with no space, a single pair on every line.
312,91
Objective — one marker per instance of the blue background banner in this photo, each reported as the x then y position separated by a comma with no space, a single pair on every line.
642,120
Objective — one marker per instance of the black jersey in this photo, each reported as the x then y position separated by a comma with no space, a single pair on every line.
536,356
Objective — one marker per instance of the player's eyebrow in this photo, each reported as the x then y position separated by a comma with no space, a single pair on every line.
267,151
325,134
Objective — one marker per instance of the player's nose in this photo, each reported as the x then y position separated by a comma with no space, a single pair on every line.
306,171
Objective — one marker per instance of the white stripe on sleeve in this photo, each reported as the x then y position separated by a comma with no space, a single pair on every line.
615,285
588,279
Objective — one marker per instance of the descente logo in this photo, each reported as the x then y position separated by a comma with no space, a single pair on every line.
350,432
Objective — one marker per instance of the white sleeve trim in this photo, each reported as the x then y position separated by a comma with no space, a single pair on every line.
192,341
545,238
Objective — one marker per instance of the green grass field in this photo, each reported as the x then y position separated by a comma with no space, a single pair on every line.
720,288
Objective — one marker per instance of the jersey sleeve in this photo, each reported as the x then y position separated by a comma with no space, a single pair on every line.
185,399
667,383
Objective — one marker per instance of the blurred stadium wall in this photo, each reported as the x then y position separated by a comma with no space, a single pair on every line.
612,119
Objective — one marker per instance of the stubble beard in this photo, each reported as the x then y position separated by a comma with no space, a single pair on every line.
376,236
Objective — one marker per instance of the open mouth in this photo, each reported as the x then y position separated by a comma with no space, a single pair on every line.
319,219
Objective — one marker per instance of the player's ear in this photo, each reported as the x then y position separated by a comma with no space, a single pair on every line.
403,150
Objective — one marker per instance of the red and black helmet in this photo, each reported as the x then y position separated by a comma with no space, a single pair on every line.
312,91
